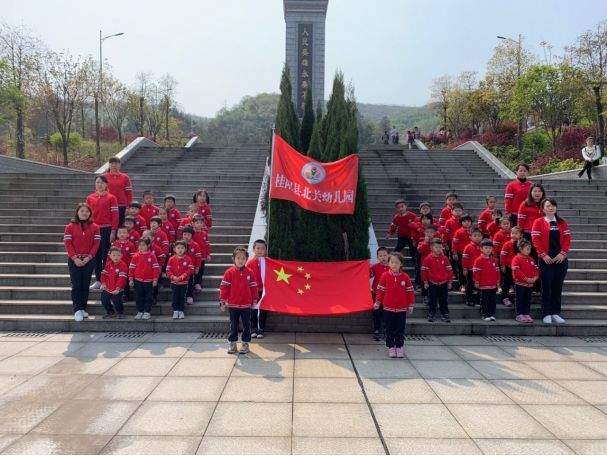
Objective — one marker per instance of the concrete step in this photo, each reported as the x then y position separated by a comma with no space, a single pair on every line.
215,237
18,229
62,279
64,293
216,269
44,220
61,256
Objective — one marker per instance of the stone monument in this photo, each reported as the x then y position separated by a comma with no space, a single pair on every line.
305,48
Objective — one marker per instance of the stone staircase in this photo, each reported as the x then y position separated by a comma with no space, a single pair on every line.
34,208
429,175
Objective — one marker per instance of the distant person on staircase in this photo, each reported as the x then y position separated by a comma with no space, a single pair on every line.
591,155
119,185
105,214
202,201
516,192
410,139
385,139
551,238
416,133
81,239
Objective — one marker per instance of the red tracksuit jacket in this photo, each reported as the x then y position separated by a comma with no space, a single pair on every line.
127,248
402,224
493,228
173,216
134,235
395,292
202,239
144,267
81,241
507,254
499,239
179,270
540,235
182,224
255,266
523,268
114,275
460,240
160,238
205,210
375,272
471,253
445,214
193,251
169,230
238,288
486,272
105,209
147,212
423,249
451,226
516,192
484,219
119,185
140,224
437,269
527,215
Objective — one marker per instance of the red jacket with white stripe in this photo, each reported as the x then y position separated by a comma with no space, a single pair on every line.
134,235
423,249
140,224
173,216
523,268
119,185
445,214
144,267
499,239
493,228
507,254
540,236
202,239
127,248
516,192
484,219
402,224
395,292
238,288
81,241
451,226
193,251
179,270
169,230
486,272
147,212
114,275
255,266
471,253
527,215
205,210
376,271
437,269
105,209
460,240
160,238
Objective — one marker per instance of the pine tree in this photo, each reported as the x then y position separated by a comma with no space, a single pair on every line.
282,216
307,122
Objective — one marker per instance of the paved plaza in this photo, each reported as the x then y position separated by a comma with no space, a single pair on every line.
301,393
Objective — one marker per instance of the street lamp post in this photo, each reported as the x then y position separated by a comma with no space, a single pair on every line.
519,128
97,94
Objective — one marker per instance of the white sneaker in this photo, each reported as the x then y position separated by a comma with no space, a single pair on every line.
181,315
492,318
95,286
146,316
139,316
547,320
487,319
78,315
85,314
175,314
558,319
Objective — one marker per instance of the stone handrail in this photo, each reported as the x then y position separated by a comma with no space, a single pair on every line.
488,158
193,141
598,172
22,165
420,145
128,152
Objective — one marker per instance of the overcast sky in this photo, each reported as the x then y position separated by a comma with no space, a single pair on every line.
222,50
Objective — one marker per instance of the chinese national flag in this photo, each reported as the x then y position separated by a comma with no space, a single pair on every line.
315,289
329,188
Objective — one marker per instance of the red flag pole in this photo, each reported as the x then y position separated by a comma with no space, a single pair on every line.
270,185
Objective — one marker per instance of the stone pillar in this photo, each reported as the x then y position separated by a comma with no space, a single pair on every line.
305,48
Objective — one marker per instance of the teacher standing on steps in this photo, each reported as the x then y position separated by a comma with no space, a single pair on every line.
591,155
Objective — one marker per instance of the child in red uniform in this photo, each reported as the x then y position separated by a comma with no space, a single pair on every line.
127,248
445,213
167,226
402,225
525,273
423,250
395,293
486,216
486,275
81,239
195,254
144,271
238,292
113,281
469,256
375,273
460,240
257,265
201,237
516,192
148,208
437,275
173,214
179,270
201,200
119,185
509,250
494,226
502,236
187,220
129,224
139,222
159,237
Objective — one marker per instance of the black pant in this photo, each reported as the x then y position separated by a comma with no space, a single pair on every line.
104,248
523,299
244,315
586,169
488,298
121,215
81,281
179,292
405,241
537,286
394,322
506,283
459,270
112,302
438,293
471,294
553,276
144,296
514,219
258,320
198,276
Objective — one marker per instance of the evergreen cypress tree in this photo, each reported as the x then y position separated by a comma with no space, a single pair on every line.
282,214
307,122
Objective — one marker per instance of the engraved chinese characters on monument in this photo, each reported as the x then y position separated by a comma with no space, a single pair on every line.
304,63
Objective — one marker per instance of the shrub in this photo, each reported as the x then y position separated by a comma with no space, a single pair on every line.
538,141
74,141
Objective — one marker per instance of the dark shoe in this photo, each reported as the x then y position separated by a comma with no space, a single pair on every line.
470,303
376,336
431,317
445,318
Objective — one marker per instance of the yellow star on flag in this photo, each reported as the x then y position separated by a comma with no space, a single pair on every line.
308,275
308,286
300,291
282,275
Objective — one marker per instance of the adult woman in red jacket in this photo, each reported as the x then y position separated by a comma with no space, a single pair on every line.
105,214
81,239
551,238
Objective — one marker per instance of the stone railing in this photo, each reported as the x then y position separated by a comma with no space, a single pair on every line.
488,158
129,151
598,172
22,165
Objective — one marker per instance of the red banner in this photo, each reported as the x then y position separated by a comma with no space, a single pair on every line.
315,289
329,188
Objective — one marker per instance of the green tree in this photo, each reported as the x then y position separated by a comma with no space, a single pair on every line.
282,214
307,121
